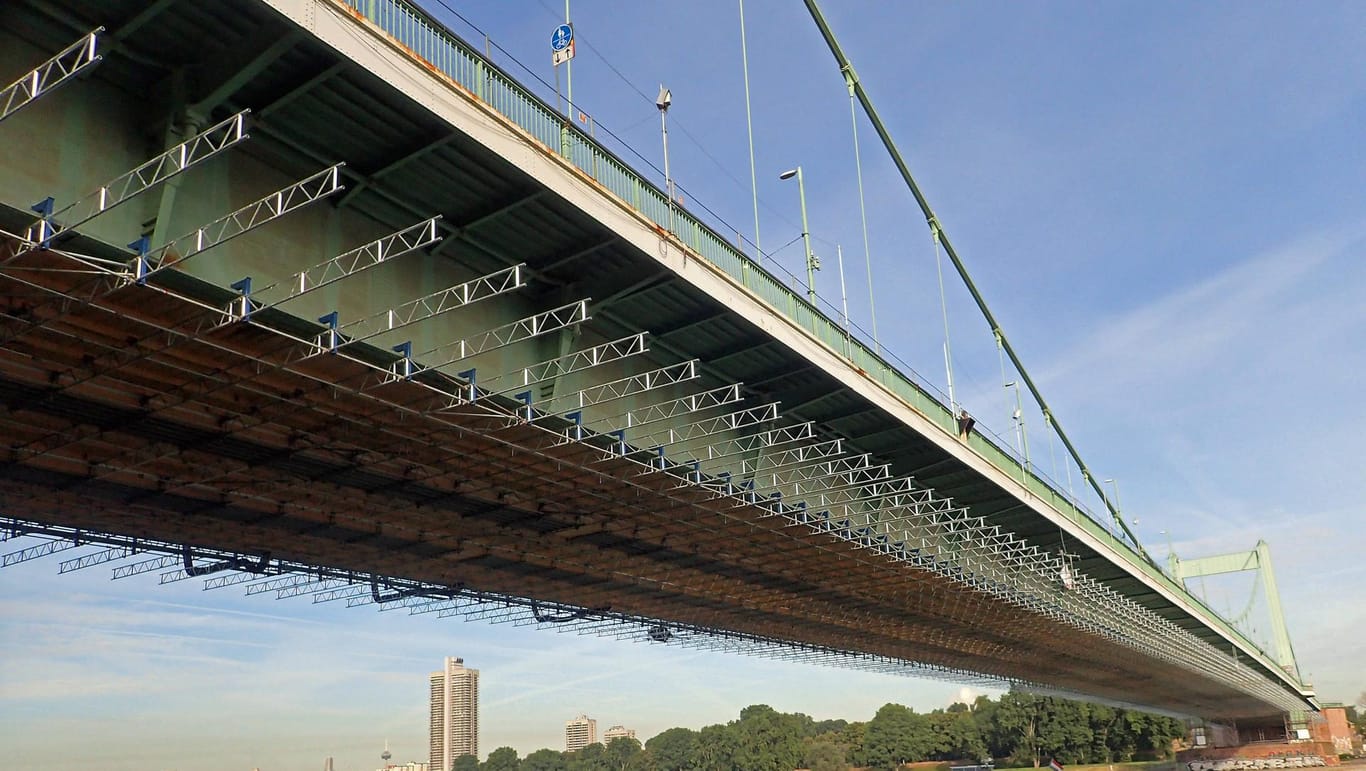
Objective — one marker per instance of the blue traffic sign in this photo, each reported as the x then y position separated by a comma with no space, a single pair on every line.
561,37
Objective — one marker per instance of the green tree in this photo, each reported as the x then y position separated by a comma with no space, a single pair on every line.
1015,729
1064,729
715,749
957,736
829,726
465,763
545,760
501,759
622,753
1103,720
672,750
854,738
897,735
590,758
824,756
767,740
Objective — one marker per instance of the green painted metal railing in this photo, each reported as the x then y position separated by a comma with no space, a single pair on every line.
447,52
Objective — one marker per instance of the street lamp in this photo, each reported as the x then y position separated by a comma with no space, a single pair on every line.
1021,435
1119,509
663,101
812,264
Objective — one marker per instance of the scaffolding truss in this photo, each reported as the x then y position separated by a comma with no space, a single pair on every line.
734,531
46,77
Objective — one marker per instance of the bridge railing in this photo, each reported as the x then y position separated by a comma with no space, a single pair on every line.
429,40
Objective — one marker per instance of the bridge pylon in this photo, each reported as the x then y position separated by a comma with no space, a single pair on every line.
1258,560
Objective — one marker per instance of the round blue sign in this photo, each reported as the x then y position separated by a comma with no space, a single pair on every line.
561,37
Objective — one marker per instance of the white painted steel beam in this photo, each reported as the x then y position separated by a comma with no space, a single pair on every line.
54,72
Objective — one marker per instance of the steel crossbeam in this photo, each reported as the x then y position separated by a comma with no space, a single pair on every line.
310,587
794,457
347,592
437,606
283,582
668,410
892,492
725,449
244,220
567,364
424,308
832,483
619,389
816,491
87,560
515,332
731,421
198,148
172,576
54,72
758,442
230,579
342,266
145,566
845,470
34,552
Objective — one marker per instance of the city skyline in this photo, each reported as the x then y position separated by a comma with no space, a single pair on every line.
1162,203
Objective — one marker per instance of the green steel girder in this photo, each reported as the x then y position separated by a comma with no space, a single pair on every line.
216,82
692,324
1257,560
399,159
293,92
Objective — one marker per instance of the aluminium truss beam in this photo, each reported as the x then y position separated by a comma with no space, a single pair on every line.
508,334
197,149
34,552
744,445
576,361
342,266
668,410
244,220
794,457
424,308
619,389
110,554
46,77
731,421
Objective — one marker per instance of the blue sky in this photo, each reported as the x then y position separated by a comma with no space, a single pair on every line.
1165,205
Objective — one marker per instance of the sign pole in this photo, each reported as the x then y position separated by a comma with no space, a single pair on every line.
569,67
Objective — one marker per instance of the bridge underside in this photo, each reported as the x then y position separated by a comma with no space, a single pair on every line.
135,419
134,409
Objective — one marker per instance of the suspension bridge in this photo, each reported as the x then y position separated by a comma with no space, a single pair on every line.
310,298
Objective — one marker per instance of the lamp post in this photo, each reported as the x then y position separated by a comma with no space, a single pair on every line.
812,264
663,101
1021,434
1119,509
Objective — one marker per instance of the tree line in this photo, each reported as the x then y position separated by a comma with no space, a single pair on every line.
1018,730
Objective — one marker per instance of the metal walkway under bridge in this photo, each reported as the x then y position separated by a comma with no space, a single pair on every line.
316,301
